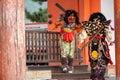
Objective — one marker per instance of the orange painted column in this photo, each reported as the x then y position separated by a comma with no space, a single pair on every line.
87,8
12,40
81,10
84,12
117,36
95,6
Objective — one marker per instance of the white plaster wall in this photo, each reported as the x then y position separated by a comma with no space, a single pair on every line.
107,8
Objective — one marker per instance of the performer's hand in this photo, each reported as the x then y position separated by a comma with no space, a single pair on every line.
78,29
79,46
58,24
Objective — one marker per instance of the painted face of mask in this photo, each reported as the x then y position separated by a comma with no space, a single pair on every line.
71,18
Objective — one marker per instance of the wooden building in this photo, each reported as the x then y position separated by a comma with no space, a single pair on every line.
12,33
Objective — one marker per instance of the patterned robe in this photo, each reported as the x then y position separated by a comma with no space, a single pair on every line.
99,55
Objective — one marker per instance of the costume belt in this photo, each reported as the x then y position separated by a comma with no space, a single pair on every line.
99,37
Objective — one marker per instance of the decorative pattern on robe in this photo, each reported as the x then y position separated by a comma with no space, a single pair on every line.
99,55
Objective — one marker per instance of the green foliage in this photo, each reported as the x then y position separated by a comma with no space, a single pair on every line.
37,16
40,16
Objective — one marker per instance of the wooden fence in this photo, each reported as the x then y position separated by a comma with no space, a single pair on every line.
43,47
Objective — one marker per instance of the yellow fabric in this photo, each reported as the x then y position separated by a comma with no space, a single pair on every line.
67,30
94,54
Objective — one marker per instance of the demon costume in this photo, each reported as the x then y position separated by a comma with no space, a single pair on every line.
98,29
67,27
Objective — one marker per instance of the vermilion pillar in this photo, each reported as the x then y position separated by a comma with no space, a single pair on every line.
117,36
12,40
87,7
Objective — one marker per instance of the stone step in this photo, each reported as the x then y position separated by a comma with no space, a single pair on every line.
73,76
58,69
44,74
55,72
48,75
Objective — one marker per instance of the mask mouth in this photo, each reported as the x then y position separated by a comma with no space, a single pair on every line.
71,19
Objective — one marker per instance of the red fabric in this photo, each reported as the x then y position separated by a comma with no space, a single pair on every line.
101,37
112,28
68,36
108,53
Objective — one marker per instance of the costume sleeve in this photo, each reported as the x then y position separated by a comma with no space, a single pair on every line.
55,26
82,36
108,35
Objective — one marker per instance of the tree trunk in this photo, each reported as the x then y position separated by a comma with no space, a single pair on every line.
12,40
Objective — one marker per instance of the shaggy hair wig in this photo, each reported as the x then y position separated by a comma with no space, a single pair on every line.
68,13
98,16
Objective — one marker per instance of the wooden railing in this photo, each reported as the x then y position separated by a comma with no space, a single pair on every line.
43,47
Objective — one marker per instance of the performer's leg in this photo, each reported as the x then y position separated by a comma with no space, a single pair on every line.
64,62
70,57
98,72
64,52
96,75
70,64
